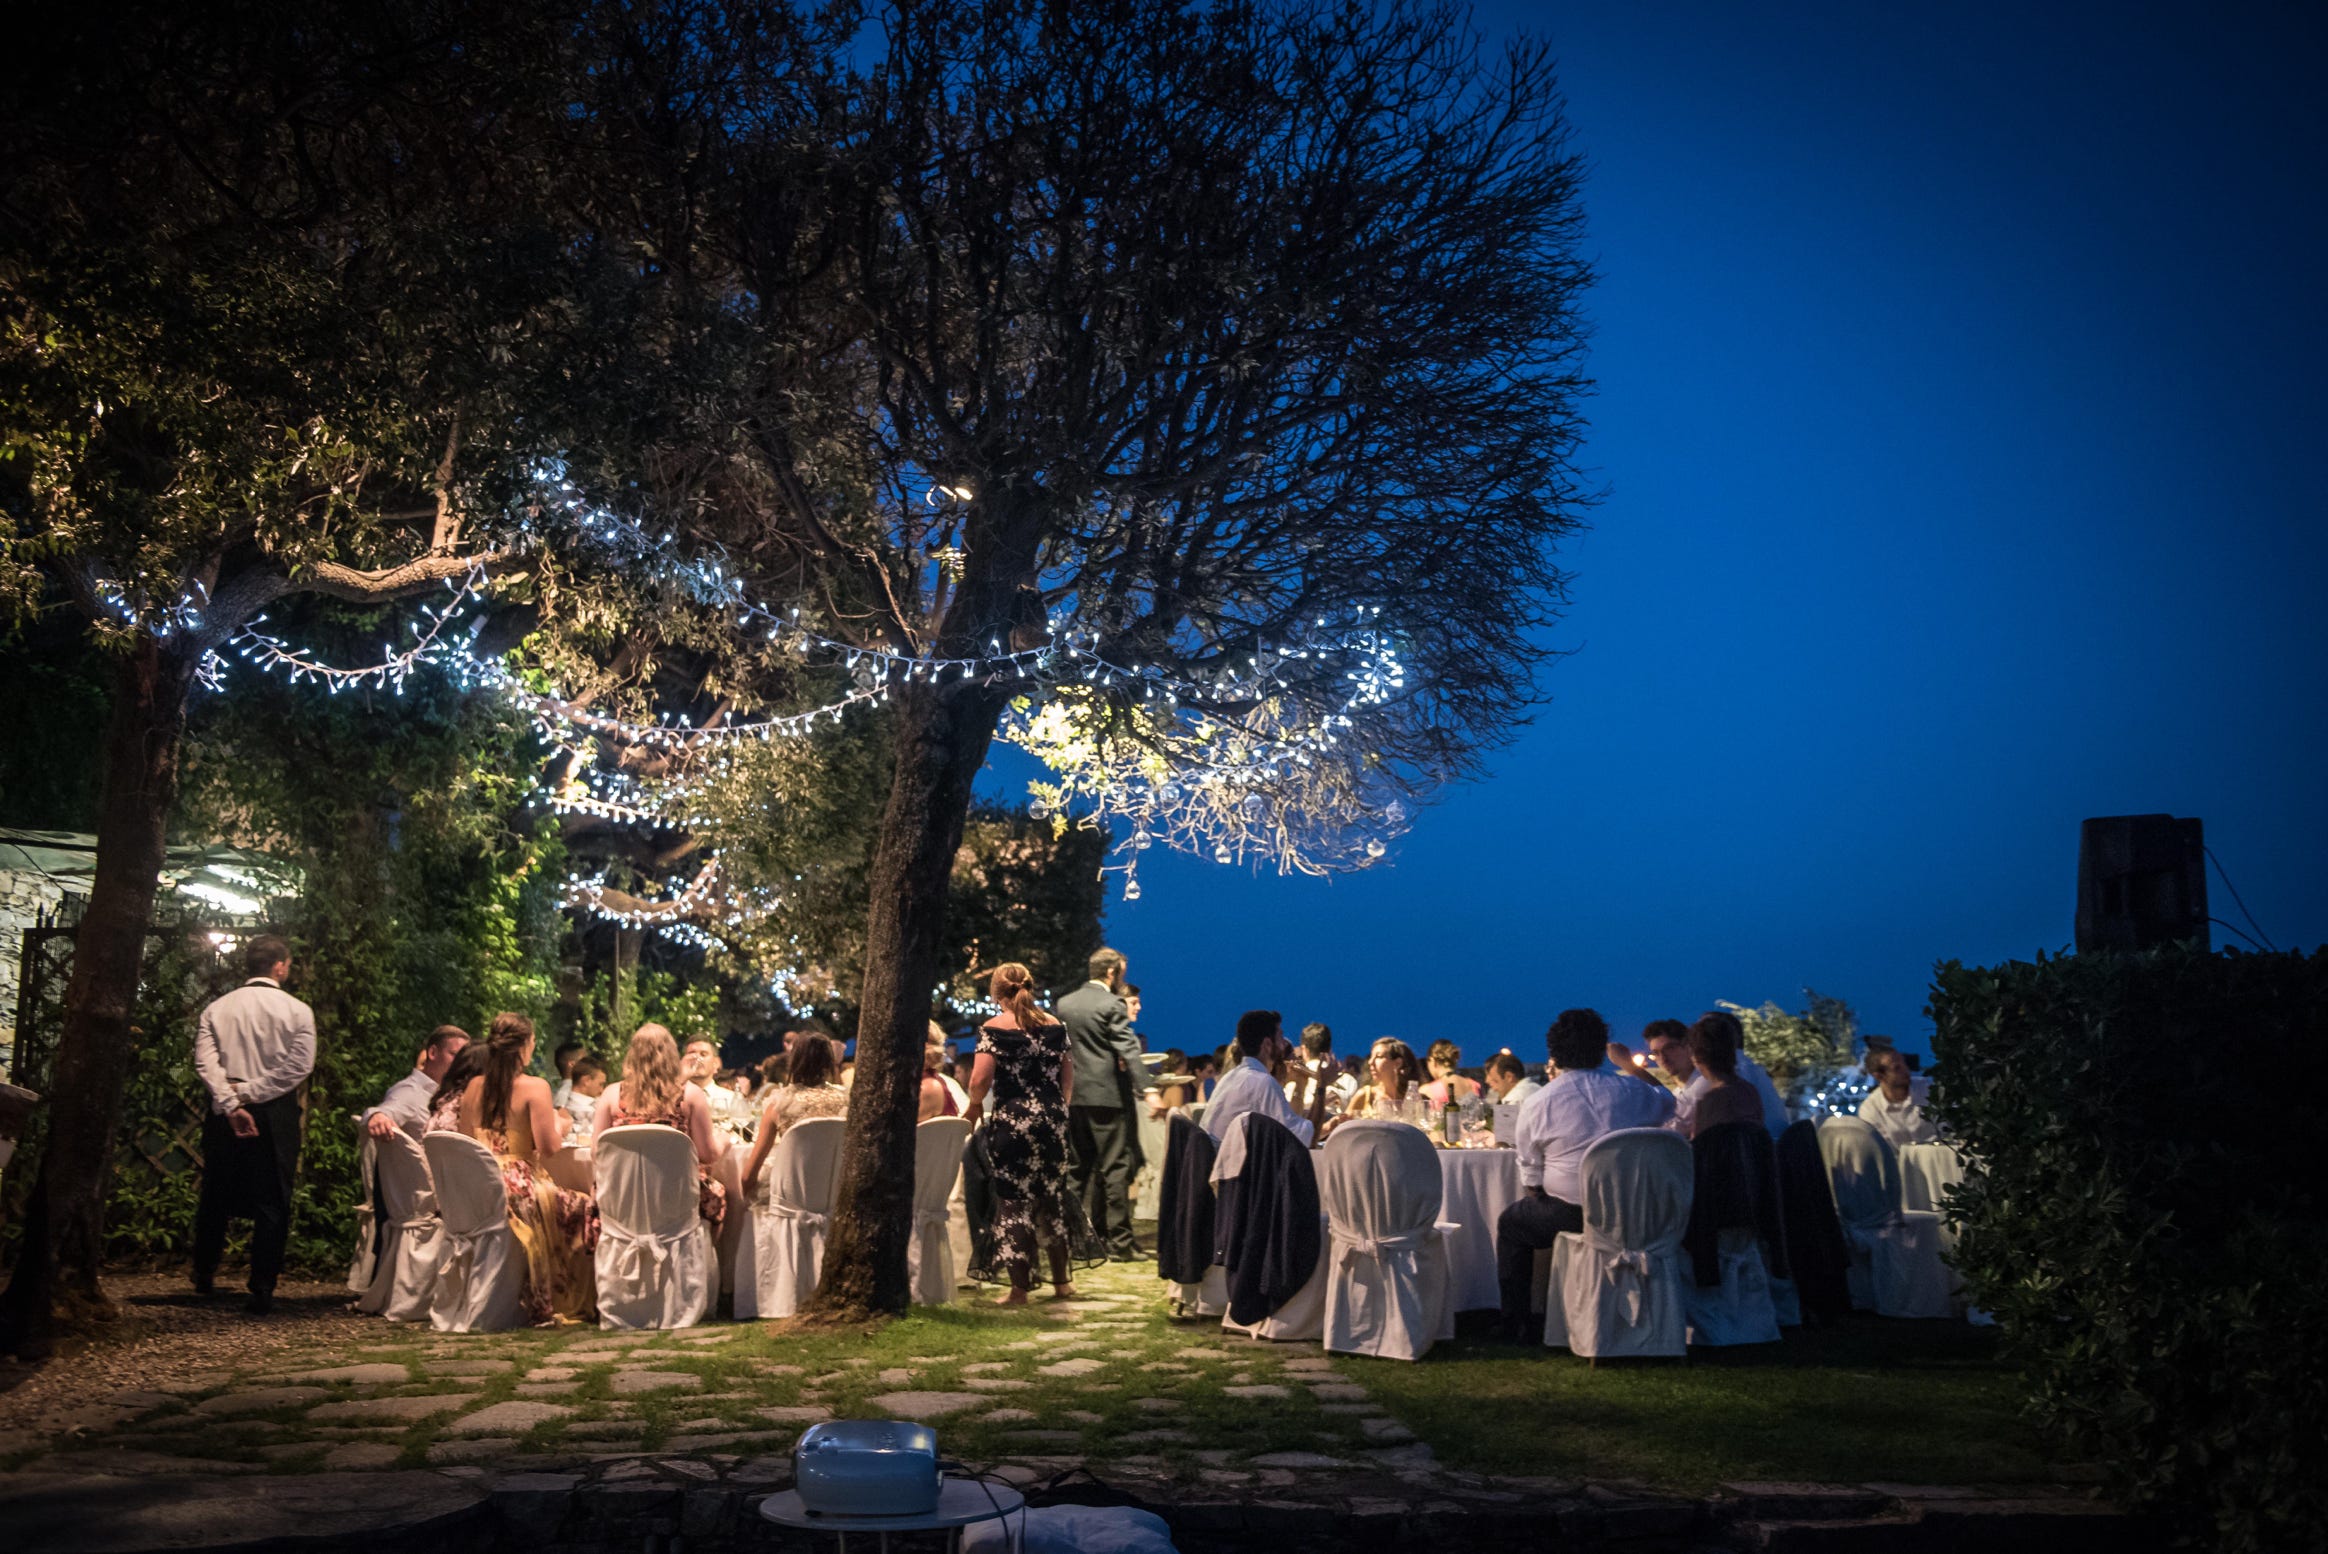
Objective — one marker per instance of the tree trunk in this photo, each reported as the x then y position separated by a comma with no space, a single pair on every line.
942,737
64,1233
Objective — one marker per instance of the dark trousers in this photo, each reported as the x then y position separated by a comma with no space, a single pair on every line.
1521,1231
1101,1141
248,1179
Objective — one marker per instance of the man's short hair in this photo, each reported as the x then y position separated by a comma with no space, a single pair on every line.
1716,1040
1105,963
585,1066
446,1033
263,954
1317,1037
1256,1026
1578,1039
1663,1030
1131,990
1505,1063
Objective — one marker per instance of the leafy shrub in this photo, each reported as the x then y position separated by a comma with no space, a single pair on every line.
2148,1226
1790,1046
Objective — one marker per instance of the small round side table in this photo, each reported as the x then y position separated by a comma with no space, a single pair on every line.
961,1502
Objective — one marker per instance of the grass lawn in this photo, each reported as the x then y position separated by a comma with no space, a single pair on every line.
1873,1400
1108,1380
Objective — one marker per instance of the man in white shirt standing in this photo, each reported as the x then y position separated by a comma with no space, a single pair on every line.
1895,1107
1251,1084
406,1103
1559,1122
253,1049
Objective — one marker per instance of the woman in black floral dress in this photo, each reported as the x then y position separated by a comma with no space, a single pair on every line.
1024,1066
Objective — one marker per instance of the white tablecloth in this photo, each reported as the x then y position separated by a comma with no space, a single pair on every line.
1476,1185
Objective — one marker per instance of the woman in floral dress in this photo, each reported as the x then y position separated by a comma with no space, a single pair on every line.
509,1112
1023,1064
652,1091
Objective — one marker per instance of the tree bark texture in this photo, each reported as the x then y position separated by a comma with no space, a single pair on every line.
942,738
64,1233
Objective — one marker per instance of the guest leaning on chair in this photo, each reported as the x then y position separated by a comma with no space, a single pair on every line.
407,1101
1583,1102
253,1049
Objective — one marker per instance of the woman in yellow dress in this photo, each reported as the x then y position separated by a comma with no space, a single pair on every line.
509,1111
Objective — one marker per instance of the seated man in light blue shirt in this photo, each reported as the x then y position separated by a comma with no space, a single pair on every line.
1584,1101
1509,1078
1251,1084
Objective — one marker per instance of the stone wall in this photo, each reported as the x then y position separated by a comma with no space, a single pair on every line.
27,900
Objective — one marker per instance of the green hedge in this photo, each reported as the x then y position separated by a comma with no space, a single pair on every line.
2148,1222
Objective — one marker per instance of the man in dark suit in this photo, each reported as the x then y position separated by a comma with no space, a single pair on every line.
1103,1124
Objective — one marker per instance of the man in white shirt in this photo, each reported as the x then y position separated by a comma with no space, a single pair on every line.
699,1064
406,1103
1319,1087
1251,1084
1510,1080
1895,1107
1584,1101
581,1106
253,1049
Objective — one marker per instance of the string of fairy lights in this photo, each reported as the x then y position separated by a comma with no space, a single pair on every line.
1228,769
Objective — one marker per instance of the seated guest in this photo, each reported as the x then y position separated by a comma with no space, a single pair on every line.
1319,1087
1510,1080
811,1089
1714,1045
1447,1087
568,1053
651,1091
1204,1068
444,1107
1675,1070
1251,1084
589,1083
739,1082
1895,1107
509,1112
1394,1088
699,1065
773,1069
937,1098
1583,1102
407,1102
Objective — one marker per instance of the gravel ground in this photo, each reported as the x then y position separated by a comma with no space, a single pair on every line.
165,1336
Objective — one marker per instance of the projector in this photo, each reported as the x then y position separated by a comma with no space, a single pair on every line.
867,1467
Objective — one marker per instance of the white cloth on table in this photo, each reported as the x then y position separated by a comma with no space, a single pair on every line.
1896,1268
1561,1121
1927,1172
1387,1290
394,1273
1477,1185
253,1044
406,1102
1903,1123
937,1169
789,1230
1249,1088
1774,1116
1617,1286
656,1265
480,1268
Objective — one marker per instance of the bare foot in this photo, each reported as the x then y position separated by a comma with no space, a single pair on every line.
1064,1291
1013,1298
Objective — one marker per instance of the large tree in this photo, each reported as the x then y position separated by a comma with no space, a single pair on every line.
1186,391
296,298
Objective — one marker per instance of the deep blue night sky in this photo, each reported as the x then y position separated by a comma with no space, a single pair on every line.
1961,424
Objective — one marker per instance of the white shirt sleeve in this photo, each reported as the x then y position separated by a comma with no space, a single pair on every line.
211,1066
297,1059
1529,1137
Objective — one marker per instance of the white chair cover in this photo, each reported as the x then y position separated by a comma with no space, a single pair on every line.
1743,1308
1209,1299
402,1278
1388,1292
1927,1172
480,1268
937,1167
1302,1319
1618,1286
656,1263
1895,1253
790,1227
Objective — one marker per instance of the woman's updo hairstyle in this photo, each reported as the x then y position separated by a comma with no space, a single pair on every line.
1012,989
506,1041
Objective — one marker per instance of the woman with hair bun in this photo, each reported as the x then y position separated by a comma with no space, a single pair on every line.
1024,1064
508,1110
1447,1087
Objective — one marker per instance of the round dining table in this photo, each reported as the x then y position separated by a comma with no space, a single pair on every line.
1475,1187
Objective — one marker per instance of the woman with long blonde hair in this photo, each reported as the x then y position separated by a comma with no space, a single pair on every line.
1024,1065
509,1111
651,1091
